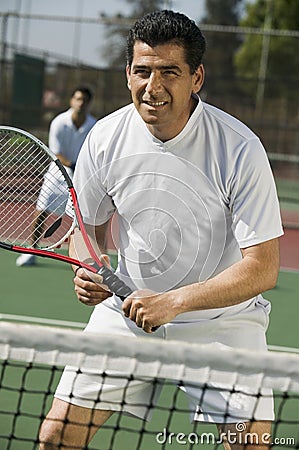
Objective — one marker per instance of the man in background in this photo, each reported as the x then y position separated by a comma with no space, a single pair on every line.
67,133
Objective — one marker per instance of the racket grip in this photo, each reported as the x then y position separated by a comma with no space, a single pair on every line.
115,285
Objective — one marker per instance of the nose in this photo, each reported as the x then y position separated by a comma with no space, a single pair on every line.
154,84
81,103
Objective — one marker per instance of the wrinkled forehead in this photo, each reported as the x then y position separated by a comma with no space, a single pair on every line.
167,54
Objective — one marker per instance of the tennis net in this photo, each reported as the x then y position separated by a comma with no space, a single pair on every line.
33,356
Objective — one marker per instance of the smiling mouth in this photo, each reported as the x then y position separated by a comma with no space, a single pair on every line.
155,104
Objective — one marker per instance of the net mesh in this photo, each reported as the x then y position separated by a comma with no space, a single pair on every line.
33,194
33,357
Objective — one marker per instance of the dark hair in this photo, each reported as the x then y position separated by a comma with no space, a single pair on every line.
85,91
161,27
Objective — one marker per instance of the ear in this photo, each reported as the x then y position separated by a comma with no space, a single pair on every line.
128,73
198,78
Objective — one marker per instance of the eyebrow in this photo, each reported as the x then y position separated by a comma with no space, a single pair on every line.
167,67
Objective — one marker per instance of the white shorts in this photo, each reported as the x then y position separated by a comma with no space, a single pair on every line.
115,392
54,192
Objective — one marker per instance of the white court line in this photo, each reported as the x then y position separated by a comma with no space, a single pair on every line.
288,269
42,321
278,348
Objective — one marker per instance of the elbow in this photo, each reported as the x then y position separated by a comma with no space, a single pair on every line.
263,262
270,279
273,265
272,283
266,274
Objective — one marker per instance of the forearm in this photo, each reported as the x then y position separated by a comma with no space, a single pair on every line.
77,249
88,286
97,238
245,279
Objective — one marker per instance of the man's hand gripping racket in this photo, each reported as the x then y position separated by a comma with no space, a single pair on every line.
29,172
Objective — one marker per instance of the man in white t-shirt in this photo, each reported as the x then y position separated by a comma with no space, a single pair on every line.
198,223
67,133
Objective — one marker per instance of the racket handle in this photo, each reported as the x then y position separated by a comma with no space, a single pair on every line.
115,285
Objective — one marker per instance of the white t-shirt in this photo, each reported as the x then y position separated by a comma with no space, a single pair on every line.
185,207
65,138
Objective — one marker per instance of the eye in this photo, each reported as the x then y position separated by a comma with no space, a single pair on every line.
144,73
170,73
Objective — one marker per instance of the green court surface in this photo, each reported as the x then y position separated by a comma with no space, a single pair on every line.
46,291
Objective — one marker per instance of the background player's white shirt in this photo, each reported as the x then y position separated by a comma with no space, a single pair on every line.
186,206
65,138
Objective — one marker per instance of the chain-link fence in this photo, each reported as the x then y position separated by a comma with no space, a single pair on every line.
275,118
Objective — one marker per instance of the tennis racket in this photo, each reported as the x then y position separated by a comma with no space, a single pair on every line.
33,178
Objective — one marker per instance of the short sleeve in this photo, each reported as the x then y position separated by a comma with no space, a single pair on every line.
55,136
95,204
253,200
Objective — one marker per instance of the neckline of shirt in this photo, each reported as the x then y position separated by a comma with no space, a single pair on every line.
165,146
84,125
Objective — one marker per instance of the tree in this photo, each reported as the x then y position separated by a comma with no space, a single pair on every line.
221,46
116,33
280,53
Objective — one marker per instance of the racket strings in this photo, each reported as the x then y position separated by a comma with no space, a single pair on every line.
19,161
33,194
16,226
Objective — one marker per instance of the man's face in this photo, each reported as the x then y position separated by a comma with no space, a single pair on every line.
79,102
161,86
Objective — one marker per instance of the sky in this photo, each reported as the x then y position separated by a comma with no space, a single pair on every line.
76,41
